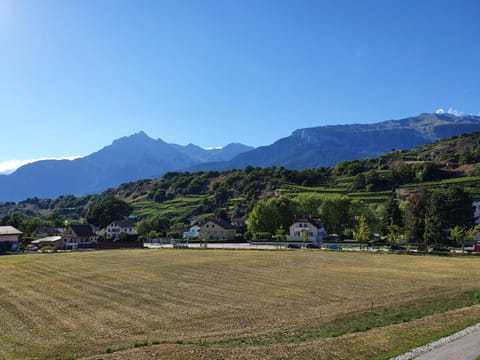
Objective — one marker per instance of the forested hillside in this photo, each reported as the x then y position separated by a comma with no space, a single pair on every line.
178,197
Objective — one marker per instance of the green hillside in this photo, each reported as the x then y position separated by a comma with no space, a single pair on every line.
179,196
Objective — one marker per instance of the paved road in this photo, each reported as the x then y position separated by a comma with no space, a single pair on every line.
465,348
238,246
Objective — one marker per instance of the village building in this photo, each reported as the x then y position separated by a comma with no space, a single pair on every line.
79,235
9,238
47,232
55,242
114,229
311,230
192,233
217,229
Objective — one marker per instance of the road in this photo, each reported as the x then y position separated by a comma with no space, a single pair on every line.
464,348
236,246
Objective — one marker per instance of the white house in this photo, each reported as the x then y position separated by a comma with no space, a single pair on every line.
313,229
476,205
9,238
116,228
193,232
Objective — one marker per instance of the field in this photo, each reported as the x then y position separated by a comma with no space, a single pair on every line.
230,304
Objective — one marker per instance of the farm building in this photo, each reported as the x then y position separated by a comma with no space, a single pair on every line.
54,241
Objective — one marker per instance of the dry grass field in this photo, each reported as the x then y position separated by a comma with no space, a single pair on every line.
224,304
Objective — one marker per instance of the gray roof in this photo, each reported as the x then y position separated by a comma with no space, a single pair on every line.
9,230
47,239
82,230
123,223
222,223
315,222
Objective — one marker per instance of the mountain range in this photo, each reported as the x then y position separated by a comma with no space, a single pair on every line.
328,145
127,159
140,157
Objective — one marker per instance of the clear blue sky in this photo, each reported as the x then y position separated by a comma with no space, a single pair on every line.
77,74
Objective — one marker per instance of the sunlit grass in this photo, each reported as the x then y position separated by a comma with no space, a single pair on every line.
56,306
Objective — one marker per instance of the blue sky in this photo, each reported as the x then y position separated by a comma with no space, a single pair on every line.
77,74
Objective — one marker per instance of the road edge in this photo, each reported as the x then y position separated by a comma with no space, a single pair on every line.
412,354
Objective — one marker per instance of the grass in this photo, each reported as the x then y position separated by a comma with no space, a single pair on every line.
72,305
376,318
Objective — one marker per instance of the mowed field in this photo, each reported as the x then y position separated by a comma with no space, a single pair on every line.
226,304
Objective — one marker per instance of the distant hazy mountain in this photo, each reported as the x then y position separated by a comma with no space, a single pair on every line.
212,155
138,156
327,145
127,159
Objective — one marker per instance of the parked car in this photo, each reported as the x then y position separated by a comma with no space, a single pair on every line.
293,246
421,248
476,247
32,247
396,247
312,246
334,247
439,249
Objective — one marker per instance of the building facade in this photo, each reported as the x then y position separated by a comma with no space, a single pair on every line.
218,230
79,235
116,228
9,238
192,233
311,230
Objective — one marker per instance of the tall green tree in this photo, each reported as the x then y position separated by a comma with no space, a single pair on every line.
358,209
433,233
262,218
107,211
156,224
458,208
392,215
336,214
15,219
308,204
364,233
415,215
458,235
270,215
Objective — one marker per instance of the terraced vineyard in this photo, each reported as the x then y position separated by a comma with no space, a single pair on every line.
180,206
190,204
230,304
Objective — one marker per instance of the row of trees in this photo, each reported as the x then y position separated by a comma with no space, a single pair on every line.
28,224
340,214
427,216
430,214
